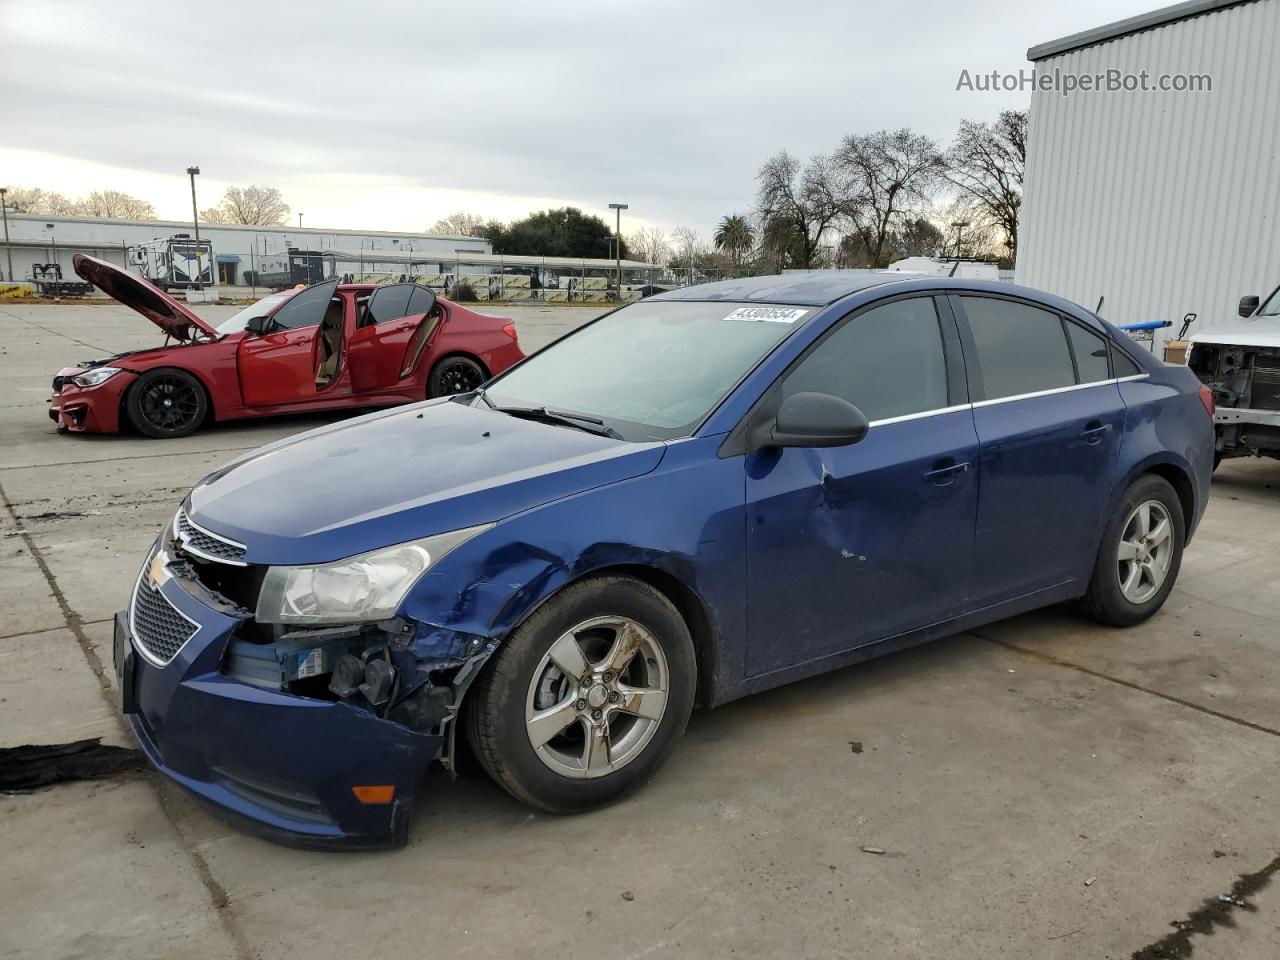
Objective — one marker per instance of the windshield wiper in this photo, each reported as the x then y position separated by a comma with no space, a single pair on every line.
580,421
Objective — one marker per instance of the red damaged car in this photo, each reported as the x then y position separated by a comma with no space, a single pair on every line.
322,347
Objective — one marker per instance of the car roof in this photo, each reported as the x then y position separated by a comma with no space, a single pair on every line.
815,289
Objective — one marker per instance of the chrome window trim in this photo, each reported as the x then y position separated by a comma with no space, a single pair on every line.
1048,393
920,416
186,545
888,421
137,645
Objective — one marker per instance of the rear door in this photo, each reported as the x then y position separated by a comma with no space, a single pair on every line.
849,545
280,367
1049,418
379,356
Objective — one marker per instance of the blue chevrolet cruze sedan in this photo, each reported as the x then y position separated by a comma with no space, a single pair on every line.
705,494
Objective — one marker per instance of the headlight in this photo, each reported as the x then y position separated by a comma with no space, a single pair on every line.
95,376
361,589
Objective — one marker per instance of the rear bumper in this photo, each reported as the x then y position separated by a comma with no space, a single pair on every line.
278,765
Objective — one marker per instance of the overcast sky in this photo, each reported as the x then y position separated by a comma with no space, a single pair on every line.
387,116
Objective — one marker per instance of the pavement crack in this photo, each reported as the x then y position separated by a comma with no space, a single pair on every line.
1213,912
140,456
1191,705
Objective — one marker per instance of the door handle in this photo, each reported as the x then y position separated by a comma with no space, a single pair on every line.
1094,431
944,472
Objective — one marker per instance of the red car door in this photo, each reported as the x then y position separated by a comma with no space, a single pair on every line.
281,364
378,354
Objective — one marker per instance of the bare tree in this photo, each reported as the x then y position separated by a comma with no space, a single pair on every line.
460,222
117,205
37,200
879,178
649,244
689,247
253,205
986,163
796,206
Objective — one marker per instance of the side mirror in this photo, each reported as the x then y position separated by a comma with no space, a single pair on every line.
259,326
1248,305
817,420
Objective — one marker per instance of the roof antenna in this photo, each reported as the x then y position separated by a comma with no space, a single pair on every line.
954,268
1098,309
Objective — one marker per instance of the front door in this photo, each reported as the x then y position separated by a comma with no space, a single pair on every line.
1049,417
282,365
379,356
849,545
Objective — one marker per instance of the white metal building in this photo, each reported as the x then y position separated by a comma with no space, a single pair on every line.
41,239
1162,202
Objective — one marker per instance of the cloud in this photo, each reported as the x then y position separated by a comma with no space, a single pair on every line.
668,106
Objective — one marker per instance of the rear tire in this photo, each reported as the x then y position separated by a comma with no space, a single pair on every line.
166,403
573,739
1140,555
454,375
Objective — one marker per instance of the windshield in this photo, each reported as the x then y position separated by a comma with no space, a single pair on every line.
1272,307
652,370
236,322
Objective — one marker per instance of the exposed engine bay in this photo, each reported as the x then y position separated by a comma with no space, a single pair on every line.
1245,381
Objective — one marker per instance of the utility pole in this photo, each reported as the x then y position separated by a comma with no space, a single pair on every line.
8,250
195,219
959,225
617,237
299,219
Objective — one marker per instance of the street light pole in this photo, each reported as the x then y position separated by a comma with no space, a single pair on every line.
8,250
617,238
195,219
299,219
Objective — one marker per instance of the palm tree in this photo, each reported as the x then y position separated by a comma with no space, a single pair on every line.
734,237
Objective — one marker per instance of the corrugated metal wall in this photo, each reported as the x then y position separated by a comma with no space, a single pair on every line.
1163,202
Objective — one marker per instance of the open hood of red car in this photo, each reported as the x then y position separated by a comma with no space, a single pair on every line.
150,301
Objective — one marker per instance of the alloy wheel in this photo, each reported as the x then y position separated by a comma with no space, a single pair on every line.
169,403
597,697
460,376
1145,552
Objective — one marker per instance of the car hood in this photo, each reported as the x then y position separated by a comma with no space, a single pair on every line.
403,474
138,294
1253,333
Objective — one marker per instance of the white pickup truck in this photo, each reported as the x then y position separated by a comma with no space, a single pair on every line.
1241,364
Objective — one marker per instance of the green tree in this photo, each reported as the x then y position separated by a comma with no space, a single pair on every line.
734,238
566,232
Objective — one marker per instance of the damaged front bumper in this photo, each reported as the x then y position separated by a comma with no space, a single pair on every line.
87,409
300,770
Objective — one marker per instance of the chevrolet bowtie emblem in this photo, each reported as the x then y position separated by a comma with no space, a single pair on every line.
158,569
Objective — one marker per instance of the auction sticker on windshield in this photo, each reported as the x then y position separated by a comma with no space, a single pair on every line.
767,314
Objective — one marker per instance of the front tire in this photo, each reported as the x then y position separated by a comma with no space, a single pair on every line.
1140,555
586,698
166,403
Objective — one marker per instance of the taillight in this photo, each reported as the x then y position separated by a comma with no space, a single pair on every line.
1206,397
510,331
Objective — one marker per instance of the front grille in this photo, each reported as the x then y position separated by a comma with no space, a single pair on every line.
158,626
1266,383
201,542
58,382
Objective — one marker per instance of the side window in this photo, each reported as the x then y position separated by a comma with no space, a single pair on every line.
1021,349
887,362
1090,351
306,308
389,303
1123,364
420,301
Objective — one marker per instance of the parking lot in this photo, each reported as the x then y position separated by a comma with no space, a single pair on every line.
1044,787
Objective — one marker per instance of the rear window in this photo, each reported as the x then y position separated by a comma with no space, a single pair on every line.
1021,349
